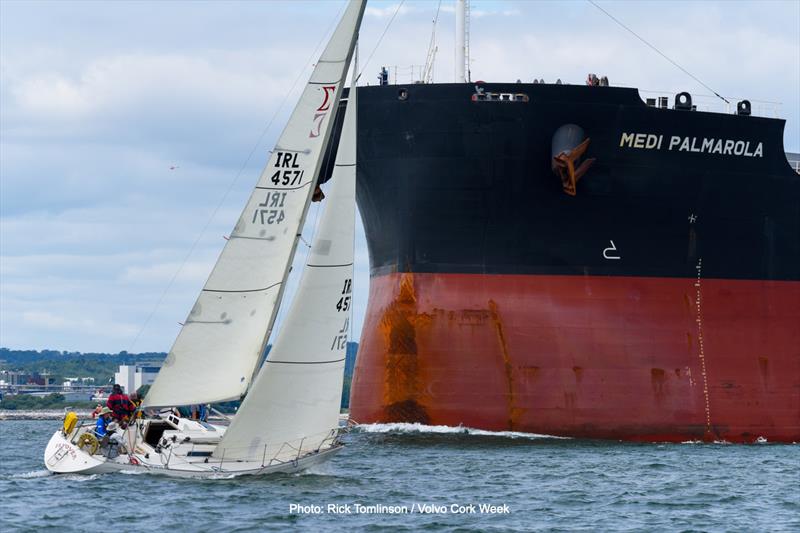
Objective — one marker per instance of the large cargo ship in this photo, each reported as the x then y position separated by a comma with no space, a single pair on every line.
572,260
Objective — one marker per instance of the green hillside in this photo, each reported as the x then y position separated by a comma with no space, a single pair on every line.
100,366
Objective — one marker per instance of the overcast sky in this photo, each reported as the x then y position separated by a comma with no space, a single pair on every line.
99,99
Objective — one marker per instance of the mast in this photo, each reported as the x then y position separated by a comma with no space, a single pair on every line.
461,41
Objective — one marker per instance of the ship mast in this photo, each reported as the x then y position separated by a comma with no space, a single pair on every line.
462,41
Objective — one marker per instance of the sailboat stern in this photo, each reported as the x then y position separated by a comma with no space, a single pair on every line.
63,457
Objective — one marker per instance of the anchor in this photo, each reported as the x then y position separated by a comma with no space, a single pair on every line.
564,164
567,152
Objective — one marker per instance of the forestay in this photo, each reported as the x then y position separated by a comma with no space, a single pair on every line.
221,342
294,402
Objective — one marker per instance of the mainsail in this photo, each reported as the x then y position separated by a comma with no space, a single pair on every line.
293,405
221,342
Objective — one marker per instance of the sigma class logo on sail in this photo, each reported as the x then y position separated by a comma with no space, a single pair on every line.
680,143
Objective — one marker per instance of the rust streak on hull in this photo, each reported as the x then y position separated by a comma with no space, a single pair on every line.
398,327
509,369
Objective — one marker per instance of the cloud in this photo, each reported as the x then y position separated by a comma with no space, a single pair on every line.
480,13
133,225
388,11
128,98
48,320
162,273
496,8
84,326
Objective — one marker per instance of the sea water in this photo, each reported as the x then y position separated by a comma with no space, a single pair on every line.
410,477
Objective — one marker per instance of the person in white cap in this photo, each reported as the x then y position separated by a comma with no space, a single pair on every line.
101,427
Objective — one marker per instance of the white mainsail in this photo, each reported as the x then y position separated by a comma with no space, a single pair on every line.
293,404
217,350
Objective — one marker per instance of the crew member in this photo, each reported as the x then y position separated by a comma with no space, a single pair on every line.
119,403
136,400
200,412
101,426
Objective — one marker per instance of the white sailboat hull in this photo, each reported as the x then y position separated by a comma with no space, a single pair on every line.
63,457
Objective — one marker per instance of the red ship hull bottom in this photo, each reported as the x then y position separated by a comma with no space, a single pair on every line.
631,358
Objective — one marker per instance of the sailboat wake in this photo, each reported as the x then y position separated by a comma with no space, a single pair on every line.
321,469
32,474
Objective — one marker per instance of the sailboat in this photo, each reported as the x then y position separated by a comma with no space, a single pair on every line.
289,417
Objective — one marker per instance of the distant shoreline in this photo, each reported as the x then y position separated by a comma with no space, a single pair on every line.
40,414
58,414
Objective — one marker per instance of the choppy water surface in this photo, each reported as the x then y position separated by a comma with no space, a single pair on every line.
547,483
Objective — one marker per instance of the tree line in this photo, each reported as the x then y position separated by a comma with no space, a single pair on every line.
102,366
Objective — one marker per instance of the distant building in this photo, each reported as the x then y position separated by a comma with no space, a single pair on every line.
77,382
13,377
132,377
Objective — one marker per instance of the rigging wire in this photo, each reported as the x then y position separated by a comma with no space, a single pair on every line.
235,180
430,57
659,52
396,11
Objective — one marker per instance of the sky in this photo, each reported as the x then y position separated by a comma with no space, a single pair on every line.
104,248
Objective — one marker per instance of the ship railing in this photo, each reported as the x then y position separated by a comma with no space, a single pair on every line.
712,104
411,74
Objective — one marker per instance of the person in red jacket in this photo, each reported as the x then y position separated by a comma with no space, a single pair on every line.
121,406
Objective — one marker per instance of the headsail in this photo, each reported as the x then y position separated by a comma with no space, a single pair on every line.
221,342
293,404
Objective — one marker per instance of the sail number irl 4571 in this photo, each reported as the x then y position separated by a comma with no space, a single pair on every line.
340,339
270,211
289,172
344,302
